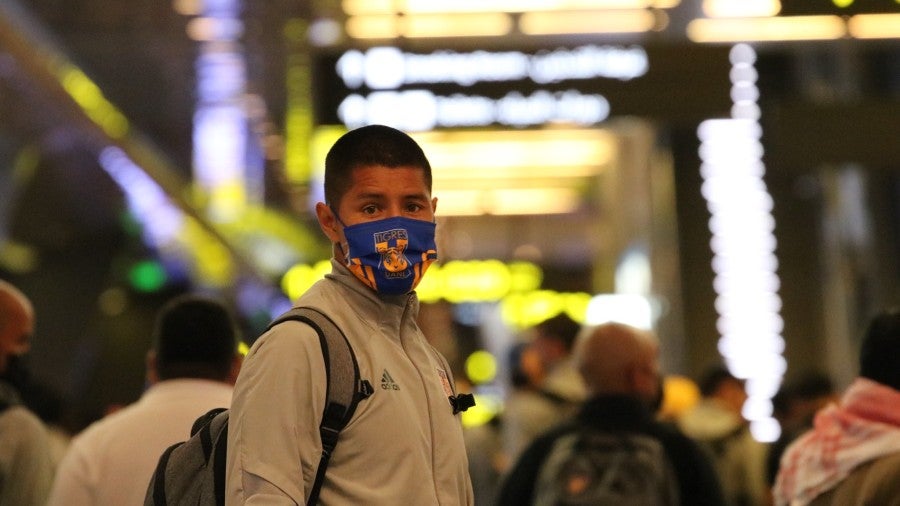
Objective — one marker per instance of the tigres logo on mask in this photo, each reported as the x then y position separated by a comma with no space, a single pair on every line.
391,244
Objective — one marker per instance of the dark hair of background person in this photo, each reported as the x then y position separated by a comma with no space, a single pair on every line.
365,146
714,377
807,386
879,356
517,376
561,328
195,337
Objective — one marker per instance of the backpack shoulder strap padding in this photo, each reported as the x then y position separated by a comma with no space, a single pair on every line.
344,388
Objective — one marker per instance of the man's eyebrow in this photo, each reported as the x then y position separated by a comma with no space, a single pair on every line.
369,195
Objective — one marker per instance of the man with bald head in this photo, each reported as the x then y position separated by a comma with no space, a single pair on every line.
26,466
620,367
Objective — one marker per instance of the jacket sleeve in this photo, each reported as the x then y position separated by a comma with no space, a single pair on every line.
273,436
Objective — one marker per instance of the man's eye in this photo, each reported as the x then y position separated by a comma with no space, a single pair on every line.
413,208
369,210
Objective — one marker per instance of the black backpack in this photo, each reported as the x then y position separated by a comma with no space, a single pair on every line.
595,468
192,472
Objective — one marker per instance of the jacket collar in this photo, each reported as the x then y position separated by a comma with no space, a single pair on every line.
372,306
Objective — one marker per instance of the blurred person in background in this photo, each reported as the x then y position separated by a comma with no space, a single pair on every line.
796,403
546,386
636,453
26,465
717,423
191,368
851,456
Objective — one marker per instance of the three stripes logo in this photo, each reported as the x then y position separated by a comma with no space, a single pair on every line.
387,382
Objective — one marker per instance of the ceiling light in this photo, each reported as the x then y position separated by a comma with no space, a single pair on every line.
740,8
550,23
455,25
766,29
358,7
372,27
875,26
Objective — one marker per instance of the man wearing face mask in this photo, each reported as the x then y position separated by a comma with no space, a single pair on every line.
404,443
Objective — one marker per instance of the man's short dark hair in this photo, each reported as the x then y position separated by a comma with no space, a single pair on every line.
714,377
879,355
195,337
365,146
561,328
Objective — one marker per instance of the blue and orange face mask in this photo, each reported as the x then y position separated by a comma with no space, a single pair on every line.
391,255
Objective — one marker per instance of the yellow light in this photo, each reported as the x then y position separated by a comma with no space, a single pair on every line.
520,5
680,394
298,116
243,349
740,8
358,7
486,407
515,285
766,29
211,260
508,201
551,23
372,27
475,281
562,152
297,280
187,7
523,310
481,367
575,305
514,172
431,287
455,25
842,3
875,26
525,276
227,201
90,98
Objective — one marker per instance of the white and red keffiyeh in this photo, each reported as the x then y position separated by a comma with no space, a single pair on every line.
864,426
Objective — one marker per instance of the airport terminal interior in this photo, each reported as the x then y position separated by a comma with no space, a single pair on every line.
726,174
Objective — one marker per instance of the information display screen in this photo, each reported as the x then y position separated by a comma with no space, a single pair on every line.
583,84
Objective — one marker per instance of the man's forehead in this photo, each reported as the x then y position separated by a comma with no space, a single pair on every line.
377,180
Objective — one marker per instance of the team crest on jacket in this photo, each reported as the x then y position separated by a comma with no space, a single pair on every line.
391,244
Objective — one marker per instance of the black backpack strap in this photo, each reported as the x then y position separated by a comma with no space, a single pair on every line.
344,388
219,464
159,476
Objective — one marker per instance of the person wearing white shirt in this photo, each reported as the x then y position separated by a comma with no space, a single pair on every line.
191,369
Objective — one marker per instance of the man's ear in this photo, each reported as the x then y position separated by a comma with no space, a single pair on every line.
433,205
327,222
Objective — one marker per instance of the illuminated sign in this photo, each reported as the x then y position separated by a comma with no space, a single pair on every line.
581,85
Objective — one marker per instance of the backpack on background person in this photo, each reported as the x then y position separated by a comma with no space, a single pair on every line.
192,472
591,468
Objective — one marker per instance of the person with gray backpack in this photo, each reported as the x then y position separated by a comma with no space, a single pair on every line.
614,452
